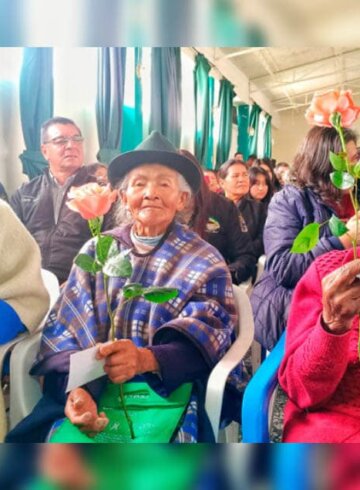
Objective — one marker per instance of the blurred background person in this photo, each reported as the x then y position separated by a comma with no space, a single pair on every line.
234,179
216,220
282,170
261,187
99,171
211,179
251,160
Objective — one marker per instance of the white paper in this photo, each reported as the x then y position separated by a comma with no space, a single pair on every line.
84,367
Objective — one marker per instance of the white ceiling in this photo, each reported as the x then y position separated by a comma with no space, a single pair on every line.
286,78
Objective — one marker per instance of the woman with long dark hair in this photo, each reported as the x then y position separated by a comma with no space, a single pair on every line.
261,187
311,197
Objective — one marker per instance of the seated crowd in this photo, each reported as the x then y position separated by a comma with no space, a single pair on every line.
196,231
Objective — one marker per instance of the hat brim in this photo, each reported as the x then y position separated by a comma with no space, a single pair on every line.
124,163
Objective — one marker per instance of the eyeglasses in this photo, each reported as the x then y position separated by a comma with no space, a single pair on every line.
64,140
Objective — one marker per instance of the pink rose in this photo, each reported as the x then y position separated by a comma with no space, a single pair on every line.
91,200
324,105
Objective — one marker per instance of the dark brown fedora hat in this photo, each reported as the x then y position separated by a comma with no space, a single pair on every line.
155,149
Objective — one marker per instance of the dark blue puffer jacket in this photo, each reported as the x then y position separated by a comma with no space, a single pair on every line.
289,211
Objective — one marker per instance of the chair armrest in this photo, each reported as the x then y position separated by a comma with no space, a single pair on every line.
25,389
218,377
257,396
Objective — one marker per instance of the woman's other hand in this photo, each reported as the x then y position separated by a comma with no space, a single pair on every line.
123,360
341,297
82,411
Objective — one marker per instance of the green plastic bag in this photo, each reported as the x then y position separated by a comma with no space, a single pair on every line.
154,417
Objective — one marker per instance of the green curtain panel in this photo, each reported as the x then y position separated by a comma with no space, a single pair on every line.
226,96
36,105
243,125
132,129
268,137
254,116
109,101
165,113
203,112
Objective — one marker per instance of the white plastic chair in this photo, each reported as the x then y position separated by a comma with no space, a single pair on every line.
25,390
218,377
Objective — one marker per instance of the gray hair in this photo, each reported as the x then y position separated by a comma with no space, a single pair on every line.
51,122
123,216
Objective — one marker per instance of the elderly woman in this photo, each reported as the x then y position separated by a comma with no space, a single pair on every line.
311,197
167,344
320,371
234,179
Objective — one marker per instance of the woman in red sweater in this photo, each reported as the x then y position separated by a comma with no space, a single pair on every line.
321,370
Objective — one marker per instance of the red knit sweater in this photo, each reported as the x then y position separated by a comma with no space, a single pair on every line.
320,371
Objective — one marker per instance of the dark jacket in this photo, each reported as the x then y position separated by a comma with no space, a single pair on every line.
59,242
224,233
252,215
290,210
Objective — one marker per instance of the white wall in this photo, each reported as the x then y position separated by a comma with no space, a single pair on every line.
288,137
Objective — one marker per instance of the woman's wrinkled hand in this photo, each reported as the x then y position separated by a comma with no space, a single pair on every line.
82,411
341,297
123,360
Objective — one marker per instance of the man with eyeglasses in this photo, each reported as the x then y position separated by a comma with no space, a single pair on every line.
40,203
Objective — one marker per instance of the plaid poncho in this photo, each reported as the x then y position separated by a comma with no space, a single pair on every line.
204,310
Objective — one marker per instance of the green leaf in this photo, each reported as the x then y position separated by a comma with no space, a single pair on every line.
132,290
356,170
160,295
306,239
87,263
118,266
336,226
102,248
338,161
342,180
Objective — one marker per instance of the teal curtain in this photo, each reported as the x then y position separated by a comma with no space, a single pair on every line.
243,125
132,129
165,113
268,138
109,101
226,96
36,105
253,127
204,88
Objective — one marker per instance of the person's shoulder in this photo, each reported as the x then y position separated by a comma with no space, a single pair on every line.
328,262
32,184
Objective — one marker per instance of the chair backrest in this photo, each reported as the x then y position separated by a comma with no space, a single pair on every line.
217,379
25,390
52,285
257,398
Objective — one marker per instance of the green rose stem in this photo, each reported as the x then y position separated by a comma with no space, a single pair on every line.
113,338
95,227
336,121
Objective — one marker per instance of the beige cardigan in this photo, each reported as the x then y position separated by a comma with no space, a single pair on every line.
21,285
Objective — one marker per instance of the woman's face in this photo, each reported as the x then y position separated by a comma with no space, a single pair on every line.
236,184
153,197
260,189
